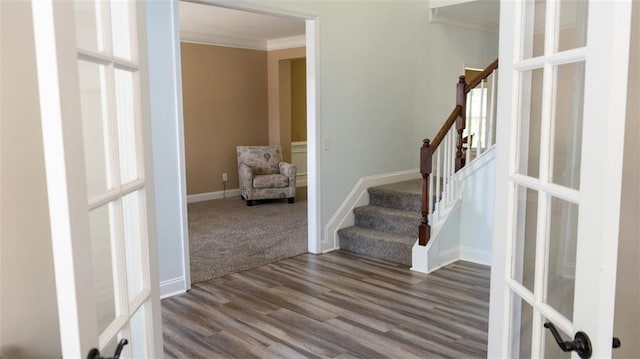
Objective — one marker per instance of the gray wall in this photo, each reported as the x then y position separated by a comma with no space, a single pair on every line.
168,147
28,307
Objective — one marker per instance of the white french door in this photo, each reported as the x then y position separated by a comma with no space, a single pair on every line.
97,155
560,131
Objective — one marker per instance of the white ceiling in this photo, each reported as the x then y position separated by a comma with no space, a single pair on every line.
485,14
476,14
227,27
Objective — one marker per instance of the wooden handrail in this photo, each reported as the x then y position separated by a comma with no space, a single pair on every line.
445,127
457,117
483,75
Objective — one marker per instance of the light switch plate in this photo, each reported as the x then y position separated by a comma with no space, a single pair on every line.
326,144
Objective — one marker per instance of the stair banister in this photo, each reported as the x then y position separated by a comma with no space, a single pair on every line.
483,75
426,164
461,101
424,231
429,148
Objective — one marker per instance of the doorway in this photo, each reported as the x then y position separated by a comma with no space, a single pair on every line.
275,135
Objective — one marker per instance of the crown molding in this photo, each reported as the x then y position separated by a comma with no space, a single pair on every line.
440,17
221,40
287,42
242,43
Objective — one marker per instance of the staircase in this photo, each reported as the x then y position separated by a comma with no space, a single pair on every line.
399,213
387,228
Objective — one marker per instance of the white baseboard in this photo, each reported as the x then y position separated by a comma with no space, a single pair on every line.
171,287
200,197
480,256
449,256
343,217
455,254
331,249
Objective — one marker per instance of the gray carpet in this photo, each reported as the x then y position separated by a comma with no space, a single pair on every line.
388,227
226,236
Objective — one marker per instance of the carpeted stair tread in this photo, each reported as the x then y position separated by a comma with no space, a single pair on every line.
388,219
410,187
405,195
379,244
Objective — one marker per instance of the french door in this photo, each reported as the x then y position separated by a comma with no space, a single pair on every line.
97,155
562,101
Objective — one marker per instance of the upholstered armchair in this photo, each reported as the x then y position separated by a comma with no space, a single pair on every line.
263,175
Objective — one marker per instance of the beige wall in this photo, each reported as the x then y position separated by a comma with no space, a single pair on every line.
28,309
225,105
298,100
627,319
284,107
279,97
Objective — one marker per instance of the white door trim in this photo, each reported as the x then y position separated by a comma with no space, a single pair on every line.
312,37
181,283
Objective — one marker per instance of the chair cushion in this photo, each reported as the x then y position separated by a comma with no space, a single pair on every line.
270,181
263,160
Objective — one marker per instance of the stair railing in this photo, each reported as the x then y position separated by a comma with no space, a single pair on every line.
468,132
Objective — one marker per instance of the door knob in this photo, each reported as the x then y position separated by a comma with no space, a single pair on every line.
580,344
95,353
616,343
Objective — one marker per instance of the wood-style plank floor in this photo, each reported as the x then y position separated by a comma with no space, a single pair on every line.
336,305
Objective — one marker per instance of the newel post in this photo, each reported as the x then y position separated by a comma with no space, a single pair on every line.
424,232
461,100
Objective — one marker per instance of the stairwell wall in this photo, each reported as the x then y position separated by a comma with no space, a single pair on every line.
448,246
476,212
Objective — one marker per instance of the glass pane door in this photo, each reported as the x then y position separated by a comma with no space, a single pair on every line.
545,174
560,130
109,77
96,134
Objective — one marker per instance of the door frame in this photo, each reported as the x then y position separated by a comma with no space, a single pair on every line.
312,40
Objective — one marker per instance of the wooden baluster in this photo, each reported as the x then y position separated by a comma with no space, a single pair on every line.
461,100
424,232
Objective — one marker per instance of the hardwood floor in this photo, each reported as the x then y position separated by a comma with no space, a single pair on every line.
336,305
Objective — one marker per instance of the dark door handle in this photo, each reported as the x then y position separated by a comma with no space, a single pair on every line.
580,344
95,353
616,343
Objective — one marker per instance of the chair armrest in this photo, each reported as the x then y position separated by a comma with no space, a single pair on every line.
246,175
288,170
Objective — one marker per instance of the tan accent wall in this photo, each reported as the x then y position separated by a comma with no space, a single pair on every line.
284,108
470,74
225,105
279,122
298,100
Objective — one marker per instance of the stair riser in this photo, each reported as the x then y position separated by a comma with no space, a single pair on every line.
398,201
395,224
395,253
